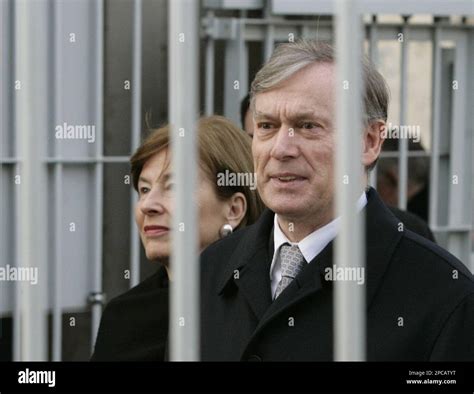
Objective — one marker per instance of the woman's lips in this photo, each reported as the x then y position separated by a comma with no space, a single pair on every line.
155,231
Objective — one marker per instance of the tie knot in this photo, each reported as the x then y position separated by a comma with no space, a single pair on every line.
292,260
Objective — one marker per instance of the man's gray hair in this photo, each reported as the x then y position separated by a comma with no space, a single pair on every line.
289,58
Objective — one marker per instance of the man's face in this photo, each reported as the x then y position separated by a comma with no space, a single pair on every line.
293,145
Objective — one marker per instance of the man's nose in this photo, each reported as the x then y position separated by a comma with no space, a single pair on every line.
152,202
285,144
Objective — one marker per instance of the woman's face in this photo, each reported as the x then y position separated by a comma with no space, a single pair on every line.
155,207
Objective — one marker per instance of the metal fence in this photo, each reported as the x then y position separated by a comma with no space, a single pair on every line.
52,186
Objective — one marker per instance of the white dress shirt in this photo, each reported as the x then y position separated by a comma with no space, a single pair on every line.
310,246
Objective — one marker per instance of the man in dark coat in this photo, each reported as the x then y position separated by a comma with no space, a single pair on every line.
267,290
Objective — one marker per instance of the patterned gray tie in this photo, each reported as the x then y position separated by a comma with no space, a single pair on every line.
292,262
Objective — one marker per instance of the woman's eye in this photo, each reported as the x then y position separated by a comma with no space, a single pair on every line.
169,186
143,190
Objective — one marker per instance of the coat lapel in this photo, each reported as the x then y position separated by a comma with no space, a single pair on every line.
309,281
381,238
249,266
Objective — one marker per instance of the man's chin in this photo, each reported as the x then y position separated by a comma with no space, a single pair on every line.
288,211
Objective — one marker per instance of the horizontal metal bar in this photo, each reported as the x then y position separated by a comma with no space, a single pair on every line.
72,160
406,7
126,159
255,29
411,153
233,4
9,160
329,23
452,229
87,160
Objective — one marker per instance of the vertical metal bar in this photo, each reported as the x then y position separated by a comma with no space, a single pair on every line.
6,136
349,297
470,147
459,186
374,57
269,41
16,193
236,70
58,187
183,108
31,120
57,308
403,142
210,54
435,136
98,170
136,132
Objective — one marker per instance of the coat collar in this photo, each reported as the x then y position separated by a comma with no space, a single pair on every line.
252,258
251,261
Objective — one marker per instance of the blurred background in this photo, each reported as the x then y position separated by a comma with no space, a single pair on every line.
105,64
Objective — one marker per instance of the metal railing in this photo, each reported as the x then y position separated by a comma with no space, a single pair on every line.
451,158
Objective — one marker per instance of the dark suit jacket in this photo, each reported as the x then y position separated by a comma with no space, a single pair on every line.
416,310
134,325
413,222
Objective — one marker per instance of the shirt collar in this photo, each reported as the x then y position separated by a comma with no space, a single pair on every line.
314,243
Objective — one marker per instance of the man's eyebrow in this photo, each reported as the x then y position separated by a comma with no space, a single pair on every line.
296,117
263,115
308,115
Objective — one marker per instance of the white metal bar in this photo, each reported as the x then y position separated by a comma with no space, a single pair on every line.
269,41
87,160
403,142
459,137
57,274
434,7
99,169
236,71
210,54
16,193
136,132
183,108
459,244
256,29
349,297
470,146
31,122
58,186
435,136
374,58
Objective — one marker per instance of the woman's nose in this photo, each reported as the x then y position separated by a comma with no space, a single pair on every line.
152,202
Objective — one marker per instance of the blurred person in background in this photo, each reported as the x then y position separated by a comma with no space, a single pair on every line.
418,182
134,326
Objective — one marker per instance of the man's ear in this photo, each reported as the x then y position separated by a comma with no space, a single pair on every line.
372,142
236,208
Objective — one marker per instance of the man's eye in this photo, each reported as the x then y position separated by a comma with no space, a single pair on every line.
265,125
308,125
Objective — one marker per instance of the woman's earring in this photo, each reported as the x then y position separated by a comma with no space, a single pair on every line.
225,230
